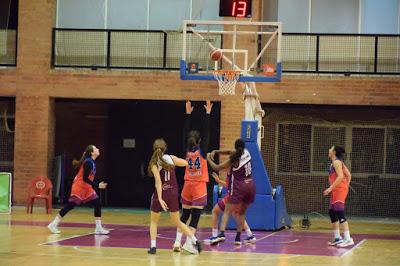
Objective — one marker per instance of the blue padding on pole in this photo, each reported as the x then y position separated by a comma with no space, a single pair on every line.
249,131
281,216
261,214
218,194
259,172
267,212
279,71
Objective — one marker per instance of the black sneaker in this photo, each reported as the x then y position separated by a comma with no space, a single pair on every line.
336,241
238,242
251,239
199,246
219,238
152,250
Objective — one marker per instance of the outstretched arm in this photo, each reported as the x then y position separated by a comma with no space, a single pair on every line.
218,180
218,167
179,161
205,140
187,123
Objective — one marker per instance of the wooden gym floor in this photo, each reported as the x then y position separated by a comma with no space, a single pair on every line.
25,240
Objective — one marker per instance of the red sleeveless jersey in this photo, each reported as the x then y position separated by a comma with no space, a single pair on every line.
197,169
81,191
344,184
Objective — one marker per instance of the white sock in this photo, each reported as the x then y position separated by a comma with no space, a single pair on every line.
248,232
346,235
98,223
153,243
215,232
56,220
336,233
178,237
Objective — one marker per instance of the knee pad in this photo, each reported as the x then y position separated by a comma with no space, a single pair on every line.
194,221
340,215
333,216
185,215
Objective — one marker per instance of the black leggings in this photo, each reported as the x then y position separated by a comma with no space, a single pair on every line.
96,204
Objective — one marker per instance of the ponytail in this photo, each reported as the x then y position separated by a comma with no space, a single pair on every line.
239,150
86,154
340,151
159,147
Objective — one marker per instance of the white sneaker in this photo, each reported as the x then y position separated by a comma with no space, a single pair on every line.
101,231
53,228
176,247
190,248
251,239
346,243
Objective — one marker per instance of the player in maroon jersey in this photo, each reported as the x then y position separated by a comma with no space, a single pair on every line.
243,190
165,196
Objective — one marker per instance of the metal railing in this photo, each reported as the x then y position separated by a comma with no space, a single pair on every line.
152,49
341,53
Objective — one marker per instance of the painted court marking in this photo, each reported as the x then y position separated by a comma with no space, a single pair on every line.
290,243
354,247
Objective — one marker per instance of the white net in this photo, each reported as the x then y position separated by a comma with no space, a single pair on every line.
227,80
6,141
296,146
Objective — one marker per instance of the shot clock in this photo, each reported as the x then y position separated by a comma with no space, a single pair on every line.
235,8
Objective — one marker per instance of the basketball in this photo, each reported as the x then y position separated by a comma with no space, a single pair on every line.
216,54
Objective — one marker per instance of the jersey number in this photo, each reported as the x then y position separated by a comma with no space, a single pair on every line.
196,165
247,168
167,176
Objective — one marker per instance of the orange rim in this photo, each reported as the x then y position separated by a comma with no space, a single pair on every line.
229,74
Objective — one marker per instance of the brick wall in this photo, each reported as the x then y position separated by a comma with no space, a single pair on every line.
35,86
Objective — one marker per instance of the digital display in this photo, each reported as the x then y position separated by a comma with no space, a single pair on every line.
235,8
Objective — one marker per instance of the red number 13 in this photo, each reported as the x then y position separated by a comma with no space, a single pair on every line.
239,9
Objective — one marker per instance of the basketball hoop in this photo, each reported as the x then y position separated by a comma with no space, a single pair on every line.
227,80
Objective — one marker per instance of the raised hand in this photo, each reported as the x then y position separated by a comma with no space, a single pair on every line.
208,106
189,107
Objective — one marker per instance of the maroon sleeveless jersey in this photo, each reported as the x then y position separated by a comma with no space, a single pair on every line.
169,187
243,189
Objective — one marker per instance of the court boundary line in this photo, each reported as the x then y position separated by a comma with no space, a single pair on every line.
67,238
354,247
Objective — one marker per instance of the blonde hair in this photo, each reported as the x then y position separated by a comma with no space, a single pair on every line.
159,147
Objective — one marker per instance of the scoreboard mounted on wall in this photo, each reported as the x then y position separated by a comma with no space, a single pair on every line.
235,8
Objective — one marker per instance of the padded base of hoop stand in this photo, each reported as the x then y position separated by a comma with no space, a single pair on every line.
268,212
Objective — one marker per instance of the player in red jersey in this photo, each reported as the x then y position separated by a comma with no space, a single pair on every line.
194,193
339,181
83,190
